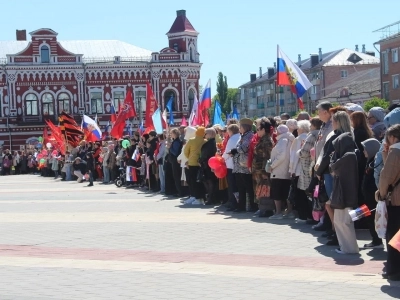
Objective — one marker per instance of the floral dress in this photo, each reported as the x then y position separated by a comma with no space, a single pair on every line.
262,153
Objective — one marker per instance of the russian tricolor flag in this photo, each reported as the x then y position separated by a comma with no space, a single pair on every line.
91,126
131,174
290,74
204,105
113,114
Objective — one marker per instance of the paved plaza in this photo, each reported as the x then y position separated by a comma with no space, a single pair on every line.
62,240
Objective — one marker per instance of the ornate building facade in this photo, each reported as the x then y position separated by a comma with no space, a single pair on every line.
42,77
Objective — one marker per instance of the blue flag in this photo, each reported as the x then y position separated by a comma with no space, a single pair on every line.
218,114
171,115
235,114
156,117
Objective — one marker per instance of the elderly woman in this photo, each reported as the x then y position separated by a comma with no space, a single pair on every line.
210,181
344,168
375,119
389,182
244,180
280,177
234,137
262,153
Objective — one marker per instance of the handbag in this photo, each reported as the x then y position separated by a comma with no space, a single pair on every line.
381,219
322,194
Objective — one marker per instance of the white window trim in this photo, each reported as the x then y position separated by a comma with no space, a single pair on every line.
344,72
395,50
40,52
96,90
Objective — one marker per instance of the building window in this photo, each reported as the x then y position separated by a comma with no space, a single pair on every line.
140,101
167,95
395,55
385,93
385,63
343,73
31,105
63,103
313,90
191,99
176,47
48,104
395,80
118,98
45,54
96,102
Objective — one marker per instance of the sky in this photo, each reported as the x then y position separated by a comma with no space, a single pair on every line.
236,37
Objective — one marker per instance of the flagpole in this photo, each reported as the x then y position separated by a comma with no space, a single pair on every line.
276,98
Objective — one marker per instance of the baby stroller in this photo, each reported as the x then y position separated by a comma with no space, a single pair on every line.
121,179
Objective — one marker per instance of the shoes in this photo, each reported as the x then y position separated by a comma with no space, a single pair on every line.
320,227
197,202
385,275
257,213
328,233
90,184
300,221
338,250
311,222
289,216
230,209
190,200
373,246
237,210
276,217
333,242
209,202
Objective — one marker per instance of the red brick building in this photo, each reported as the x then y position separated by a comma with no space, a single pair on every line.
390,65
41,77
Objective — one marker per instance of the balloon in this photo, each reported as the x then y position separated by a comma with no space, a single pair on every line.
125,144
214,162
221,172
54,153
40,139
42,160
48,145
38,145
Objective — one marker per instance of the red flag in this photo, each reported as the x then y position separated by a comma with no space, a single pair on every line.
184,122
56,139
125,112
300,103
151,107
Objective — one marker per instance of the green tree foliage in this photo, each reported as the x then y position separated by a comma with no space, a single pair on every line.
222,88
376,102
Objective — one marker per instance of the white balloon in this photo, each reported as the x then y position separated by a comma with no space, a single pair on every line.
48,145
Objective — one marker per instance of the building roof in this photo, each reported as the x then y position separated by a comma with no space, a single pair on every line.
181,23
365,81
92,50
334,58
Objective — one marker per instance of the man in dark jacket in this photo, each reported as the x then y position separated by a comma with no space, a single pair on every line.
90,164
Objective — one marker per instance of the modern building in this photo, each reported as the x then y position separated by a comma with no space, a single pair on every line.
390,65
41,77
260,96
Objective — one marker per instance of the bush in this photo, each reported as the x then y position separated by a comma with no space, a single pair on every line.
376,102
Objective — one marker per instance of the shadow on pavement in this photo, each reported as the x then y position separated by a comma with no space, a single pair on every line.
392,290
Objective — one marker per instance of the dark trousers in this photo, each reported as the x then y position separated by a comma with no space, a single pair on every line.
90,177
303,205
196,187
232,188
211,187
189,186
393,226
177,173
244,183
371,226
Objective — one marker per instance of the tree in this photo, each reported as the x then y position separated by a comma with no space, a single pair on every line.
376,102
222,89
231,98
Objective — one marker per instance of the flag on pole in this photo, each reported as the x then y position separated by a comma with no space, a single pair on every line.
93,130
193,114
151,107
128,111
204,105
171,115
164,119
235,114
136,155
156,120
106,131
218,114
141,128
290,74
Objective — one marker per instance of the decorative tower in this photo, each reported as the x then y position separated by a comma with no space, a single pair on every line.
183,37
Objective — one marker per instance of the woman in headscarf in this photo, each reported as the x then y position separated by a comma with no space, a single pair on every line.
280,177
375,120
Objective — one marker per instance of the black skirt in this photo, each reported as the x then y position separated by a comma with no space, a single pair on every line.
280,189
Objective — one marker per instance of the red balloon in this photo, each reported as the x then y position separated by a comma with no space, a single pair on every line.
213,162
221,172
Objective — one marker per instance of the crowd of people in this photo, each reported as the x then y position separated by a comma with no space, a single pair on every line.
313,170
